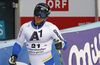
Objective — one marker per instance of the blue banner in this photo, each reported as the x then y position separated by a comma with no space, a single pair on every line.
83,45
2,30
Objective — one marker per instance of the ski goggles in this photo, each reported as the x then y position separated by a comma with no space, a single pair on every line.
42,14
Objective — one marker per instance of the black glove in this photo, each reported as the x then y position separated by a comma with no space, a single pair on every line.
12,60
58,45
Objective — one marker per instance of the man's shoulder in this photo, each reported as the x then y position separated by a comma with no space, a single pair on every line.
49,23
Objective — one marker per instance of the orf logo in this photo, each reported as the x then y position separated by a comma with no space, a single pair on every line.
58,5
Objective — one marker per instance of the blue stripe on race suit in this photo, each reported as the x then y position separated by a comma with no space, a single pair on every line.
49,62
29,63
16,49
65,45
32,23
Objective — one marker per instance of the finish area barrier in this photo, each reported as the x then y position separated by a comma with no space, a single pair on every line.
83,47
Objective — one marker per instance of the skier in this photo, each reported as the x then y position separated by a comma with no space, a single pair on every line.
39,35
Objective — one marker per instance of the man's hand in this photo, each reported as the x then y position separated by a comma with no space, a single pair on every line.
12,60
59,44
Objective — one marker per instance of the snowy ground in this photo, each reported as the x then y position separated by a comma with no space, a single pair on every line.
20,63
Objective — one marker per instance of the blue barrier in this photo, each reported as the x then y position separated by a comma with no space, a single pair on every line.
6,50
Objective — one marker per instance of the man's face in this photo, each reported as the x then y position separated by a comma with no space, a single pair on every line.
38,20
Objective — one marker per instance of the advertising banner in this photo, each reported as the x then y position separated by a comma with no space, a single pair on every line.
83,47
64,13
58,5
2,30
